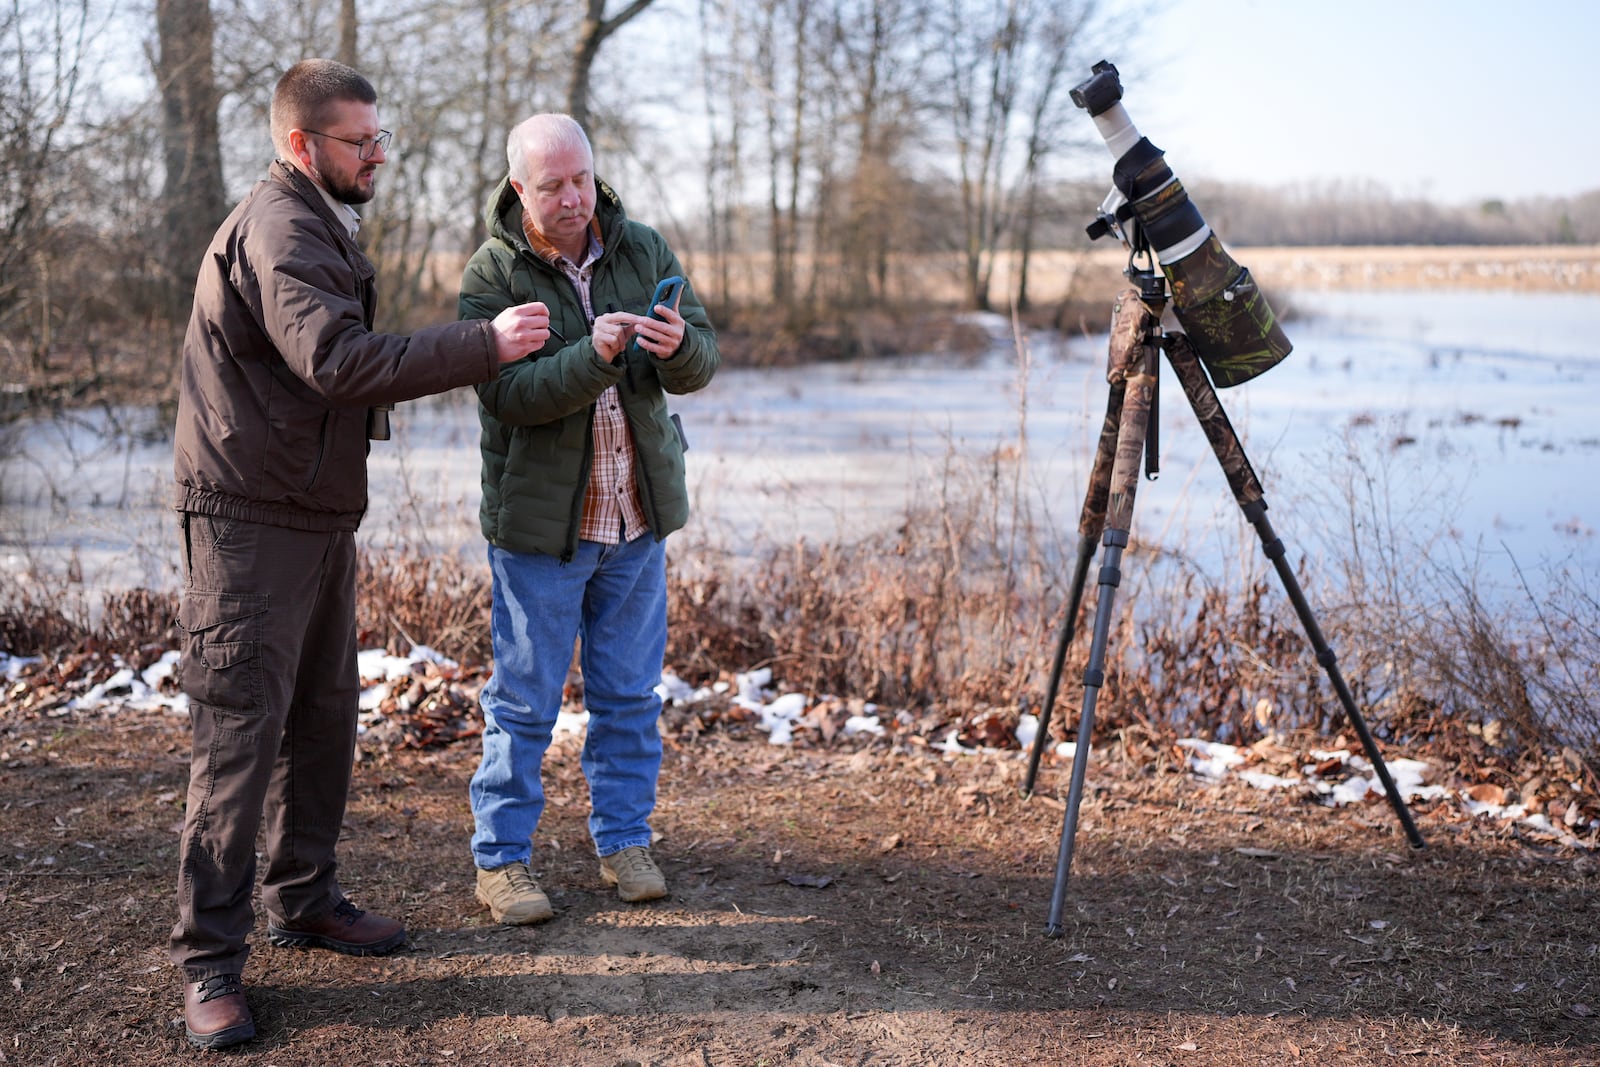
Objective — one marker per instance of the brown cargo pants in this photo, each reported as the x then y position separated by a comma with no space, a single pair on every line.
269,667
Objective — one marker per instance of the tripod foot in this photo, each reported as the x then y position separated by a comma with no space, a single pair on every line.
1052,931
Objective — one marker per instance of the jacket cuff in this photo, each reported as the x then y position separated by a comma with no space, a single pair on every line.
492,351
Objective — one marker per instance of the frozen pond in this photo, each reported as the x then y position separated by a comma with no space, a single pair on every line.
1465,419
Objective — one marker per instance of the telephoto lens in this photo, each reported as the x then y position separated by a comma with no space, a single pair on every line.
1227,317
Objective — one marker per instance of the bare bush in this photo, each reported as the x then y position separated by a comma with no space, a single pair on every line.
409,596
1534,673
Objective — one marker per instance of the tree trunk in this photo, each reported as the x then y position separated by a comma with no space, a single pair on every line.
192,192
349,39
591,35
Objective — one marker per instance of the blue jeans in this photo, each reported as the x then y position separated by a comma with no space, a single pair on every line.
613,597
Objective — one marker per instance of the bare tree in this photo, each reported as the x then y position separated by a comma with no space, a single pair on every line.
192,190
349,52
722,24
1047,110
43,47
510,85
596,27
996,59
851,146
882,48
778,70
982,56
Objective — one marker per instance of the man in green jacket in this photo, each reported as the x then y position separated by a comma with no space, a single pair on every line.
583,479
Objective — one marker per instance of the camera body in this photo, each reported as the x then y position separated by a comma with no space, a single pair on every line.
1100,90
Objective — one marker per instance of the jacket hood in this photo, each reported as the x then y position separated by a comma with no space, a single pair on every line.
502,214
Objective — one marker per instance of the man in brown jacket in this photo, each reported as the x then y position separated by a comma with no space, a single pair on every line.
281,375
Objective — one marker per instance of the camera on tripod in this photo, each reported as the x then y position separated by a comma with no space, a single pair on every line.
1223,311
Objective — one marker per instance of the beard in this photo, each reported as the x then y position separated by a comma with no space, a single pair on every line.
348,191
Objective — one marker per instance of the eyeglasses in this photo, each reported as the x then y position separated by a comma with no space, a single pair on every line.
366,147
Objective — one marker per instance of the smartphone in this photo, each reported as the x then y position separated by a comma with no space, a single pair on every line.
668,291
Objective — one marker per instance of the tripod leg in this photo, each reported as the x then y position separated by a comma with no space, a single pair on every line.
1090,523
1247,491
1130,341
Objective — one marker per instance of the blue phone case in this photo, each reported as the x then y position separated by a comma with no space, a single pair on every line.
668,291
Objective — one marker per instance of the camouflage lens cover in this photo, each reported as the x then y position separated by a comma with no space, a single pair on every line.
1228,320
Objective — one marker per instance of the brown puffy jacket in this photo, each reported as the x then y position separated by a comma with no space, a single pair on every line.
280,365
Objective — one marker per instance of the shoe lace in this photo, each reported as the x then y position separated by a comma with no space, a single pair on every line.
633,861
518,876
348,912
220,985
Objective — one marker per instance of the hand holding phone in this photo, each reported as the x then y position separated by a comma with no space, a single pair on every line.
669,291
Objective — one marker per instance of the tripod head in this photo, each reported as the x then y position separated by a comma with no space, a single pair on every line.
1231,326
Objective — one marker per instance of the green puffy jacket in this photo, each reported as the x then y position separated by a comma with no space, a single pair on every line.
536,416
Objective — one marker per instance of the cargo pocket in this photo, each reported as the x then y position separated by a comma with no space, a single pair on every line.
221,664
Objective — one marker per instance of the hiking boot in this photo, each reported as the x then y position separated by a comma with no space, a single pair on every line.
215,1014
345,929
634,873
512,896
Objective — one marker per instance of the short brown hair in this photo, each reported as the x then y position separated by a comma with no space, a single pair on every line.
301,98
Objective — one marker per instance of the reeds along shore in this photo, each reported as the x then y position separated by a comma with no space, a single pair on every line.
1095,273
1080,276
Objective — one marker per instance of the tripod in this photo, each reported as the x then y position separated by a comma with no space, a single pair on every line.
1129,432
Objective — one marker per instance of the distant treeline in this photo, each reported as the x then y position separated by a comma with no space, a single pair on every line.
821,165
1346,213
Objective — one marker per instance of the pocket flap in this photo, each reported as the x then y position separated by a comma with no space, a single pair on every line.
199,612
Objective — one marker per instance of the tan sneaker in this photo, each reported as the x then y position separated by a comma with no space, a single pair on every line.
634,873
512,896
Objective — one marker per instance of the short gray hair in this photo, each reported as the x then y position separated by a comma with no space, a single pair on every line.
543,134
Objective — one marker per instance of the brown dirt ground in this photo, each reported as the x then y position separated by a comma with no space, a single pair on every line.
848,903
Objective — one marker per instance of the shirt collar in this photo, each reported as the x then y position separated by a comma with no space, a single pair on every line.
341,211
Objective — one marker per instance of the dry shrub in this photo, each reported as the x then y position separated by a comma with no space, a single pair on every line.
962,610
138,619
948,611
32,625
955,616
941,619
41,617
1418,626
407,596
1532,673
1214,660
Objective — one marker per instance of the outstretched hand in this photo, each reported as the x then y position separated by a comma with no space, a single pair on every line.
521,329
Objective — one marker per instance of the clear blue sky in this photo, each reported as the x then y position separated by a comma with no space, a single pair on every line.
1452,101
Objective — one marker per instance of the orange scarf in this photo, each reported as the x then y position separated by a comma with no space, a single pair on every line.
544,249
